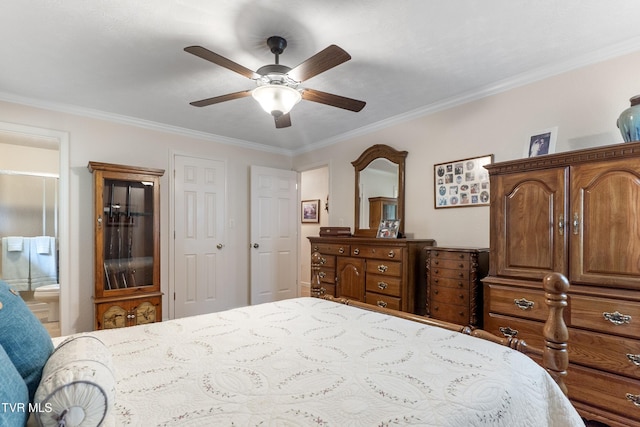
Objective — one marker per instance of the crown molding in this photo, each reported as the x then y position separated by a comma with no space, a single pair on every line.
145,124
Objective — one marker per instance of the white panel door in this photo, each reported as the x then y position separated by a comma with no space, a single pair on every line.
199,206
274,225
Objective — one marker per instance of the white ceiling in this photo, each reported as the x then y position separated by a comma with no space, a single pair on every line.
124,59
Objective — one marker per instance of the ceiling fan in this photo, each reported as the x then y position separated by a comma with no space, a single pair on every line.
278,88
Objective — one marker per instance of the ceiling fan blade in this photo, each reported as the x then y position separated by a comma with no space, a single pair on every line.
333,100
221,61
283,121
319,63
221,98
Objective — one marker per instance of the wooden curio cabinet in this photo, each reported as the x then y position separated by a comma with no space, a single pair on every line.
127,245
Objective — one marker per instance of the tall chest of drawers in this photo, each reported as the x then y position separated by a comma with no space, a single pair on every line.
575,213
454,291
384,272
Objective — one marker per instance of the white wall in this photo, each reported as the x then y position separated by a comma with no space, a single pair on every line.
314,184
583,103
103,141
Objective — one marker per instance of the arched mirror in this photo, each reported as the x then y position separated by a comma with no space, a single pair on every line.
379,190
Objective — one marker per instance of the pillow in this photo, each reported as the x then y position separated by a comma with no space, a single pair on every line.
24,338
14,394
78,385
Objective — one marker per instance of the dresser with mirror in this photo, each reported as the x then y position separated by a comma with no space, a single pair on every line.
387,272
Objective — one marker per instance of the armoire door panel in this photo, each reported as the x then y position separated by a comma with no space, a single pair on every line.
605,224
351,280
530,227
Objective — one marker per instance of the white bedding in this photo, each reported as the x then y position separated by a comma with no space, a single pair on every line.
312,362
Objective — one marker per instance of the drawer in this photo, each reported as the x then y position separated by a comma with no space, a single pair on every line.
449,273
452,255
450,313
528,330
450,263
327,289
382,300
527,303
449,283
605,391
383,284
327,275
383,267
327,260
330,248
450,295
606,352
590,312
377,252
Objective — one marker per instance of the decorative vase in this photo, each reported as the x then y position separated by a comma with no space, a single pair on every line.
629,121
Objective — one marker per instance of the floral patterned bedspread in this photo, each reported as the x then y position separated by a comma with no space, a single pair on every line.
311,362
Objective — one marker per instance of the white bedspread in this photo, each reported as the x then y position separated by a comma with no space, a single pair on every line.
310,362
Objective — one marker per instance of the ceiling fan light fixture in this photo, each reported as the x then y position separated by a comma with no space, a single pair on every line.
276,99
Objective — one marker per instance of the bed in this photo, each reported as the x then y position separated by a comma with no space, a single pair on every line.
305,362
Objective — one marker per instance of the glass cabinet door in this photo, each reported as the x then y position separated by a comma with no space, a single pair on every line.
128,237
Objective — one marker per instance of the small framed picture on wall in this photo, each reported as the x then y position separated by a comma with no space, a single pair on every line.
462,183
541,143
311,211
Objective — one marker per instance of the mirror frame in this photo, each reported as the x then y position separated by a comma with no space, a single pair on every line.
379,151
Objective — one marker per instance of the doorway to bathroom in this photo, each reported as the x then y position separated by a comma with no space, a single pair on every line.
29,222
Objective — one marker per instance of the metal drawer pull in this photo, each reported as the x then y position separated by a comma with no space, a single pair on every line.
634,398
561,225
322,274
508,332
382,268
523,304
617,318
323,260
341,250
382,304
391,254
382,285
436,262
634,358
356,251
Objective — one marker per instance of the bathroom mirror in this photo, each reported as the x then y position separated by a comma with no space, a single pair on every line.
379,189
